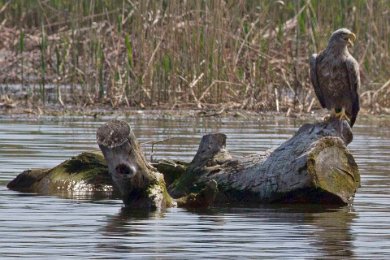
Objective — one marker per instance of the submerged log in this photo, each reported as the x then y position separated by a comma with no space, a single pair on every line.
85,173
313,166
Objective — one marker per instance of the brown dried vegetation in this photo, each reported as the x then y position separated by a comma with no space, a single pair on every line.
240,54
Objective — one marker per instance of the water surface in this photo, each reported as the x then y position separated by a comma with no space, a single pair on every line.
33,226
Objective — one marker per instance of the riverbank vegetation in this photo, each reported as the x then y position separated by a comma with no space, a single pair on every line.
237,54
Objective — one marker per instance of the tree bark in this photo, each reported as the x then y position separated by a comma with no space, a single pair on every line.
313,166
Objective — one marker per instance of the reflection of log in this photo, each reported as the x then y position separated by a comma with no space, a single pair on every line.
140,184
313,166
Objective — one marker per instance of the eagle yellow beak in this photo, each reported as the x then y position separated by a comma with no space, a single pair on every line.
351,39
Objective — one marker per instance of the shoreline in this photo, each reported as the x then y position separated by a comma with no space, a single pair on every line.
102,111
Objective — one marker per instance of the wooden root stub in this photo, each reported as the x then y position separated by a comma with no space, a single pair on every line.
212,150
139,183
210,156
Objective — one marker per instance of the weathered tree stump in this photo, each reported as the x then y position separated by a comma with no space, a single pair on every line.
140,184
313,166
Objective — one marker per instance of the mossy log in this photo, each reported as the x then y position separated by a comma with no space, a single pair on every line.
313,166
86,172
83,175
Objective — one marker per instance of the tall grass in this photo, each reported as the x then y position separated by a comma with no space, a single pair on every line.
249,54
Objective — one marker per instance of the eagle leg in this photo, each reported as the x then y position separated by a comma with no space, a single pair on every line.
342,115
338,114
329,117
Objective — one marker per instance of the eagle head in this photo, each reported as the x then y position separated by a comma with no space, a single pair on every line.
342,38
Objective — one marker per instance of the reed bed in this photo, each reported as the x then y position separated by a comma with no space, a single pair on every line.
241,54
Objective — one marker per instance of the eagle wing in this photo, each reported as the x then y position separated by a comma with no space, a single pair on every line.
354,85
314,79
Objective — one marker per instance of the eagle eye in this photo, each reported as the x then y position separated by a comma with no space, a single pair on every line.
345,36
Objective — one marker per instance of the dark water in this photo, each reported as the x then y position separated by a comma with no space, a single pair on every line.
50,227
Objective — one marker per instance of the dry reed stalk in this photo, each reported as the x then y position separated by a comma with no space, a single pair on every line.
243,49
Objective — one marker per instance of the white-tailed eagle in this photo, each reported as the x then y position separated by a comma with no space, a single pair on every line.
335,76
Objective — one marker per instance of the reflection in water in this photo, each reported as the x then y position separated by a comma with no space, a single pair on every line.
117,225
333,232
82,226
127,224
278,230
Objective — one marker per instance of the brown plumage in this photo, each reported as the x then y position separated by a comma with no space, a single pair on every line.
334,74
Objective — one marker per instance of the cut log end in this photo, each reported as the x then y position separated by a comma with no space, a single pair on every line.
113,133
333,169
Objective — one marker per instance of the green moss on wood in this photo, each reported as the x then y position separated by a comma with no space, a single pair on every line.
202,199
184,185
158,192
87,171
171,169
87,166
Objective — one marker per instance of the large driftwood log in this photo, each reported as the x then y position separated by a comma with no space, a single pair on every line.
84,174
313,166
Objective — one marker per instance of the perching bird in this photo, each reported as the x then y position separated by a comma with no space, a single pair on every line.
335,76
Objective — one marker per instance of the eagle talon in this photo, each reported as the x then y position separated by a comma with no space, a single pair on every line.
342,116
327,118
